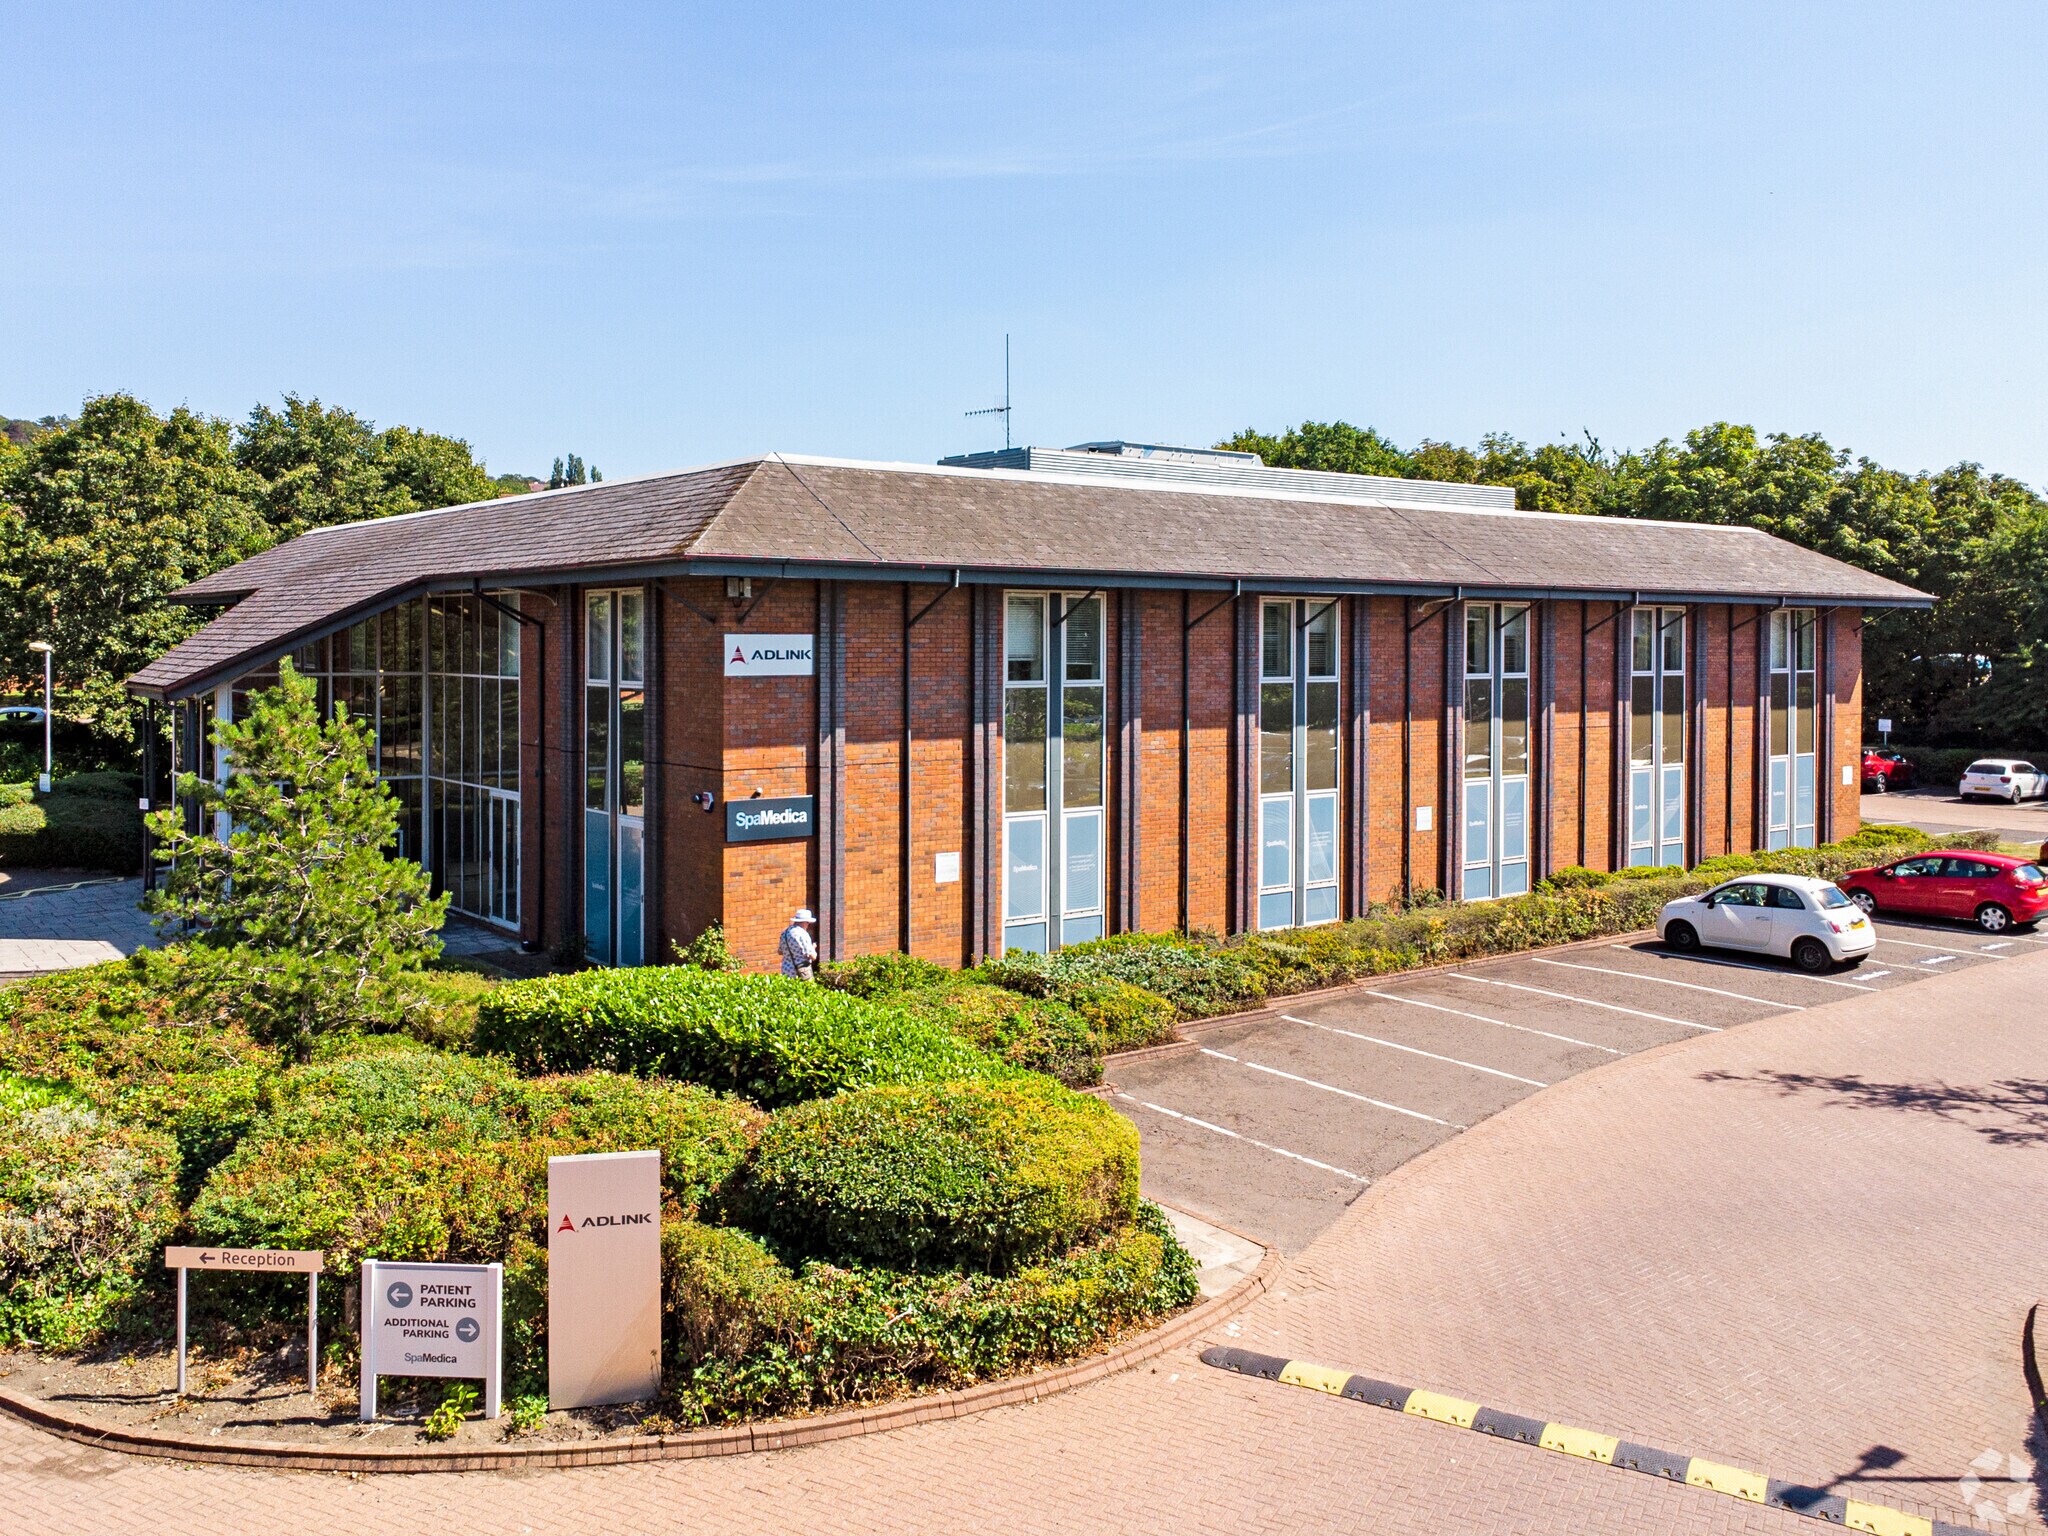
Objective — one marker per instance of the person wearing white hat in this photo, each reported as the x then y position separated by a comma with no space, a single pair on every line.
799,949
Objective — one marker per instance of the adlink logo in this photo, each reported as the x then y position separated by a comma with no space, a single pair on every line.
624,1219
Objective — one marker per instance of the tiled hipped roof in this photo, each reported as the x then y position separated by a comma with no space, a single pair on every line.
875,520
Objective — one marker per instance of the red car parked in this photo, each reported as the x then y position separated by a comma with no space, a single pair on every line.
1993,890
1885,769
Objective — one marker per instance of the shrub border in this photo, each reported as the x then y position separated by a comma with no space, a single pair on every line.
733,1440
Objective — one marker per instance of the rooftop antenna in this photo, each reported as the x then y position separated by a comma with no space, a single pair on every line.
1002,410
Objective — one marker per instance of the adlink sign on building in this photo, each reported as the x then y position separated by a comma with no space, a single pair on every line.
769,655
604,1278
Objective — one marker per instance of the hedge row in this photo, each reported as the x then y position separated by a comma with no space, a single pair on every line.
415,1154
747,1337
775,1041
87,821
981,1175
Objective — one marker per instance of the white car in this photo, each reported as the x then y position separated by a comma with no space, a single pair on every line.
1808,920
2003,778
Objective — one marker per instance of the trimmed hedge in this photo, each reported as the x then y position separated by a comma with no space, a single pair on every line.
1039,1033
983,1175
747,1338
413,1154
87,821
84,1204
1198,979
775,1040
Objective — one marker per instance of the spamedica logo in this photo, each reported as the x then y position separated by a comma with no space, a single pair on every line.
754,821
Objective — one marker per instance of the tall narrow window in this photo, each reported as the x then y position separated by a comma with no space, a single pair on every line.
1793,733
1297,805
614,775
472,677
1496,857
1656,736
1053,770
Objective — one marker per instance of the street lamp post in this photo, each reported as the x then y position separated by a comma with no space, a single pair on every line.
43,784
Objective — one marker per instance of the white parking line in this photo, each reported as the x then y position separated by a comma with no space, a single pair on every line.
1939,960
1527,1029
1392,1045
1873,975
1666,981
1250,1141
1743,965
1945,948
1590,1002
1310,1082
2011,938
2003,944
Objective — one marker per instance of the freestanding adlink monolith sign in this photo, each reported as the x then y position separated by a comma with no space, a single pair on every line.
604,1278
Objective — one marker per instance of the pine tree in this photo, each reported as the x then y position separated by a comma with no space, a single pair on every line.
556,479
595,476
575,469
299,923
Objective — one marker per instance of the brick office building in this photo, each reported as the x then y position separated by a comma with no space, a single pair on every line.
1031,698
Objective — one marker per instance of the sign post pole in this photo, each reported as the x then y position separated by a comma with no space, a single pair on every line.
313,1334
367,1396
181,1330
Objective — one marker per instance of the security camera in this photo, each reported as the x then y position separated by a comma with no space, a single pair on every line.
705,799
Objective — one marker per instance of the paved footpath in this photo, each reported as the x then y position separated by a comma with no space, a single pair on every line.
56,928
1802,1246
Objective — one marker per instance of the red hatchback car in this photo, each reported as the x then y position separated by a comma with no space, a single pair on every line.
1992,890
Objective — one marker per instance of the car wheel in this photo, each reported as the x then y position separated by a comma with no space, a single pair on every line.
1865,900
1880,784
1811,956
1681,935
1993,918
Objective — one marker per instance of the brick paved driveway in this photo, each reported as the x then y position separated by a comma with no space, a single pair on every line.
1802,1245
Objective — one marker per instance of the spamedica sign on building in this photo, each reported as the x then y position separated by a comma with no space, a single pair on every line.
769,655
760,821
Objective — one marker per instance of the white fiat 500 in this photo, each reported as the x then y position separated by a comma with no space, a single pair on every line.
1807,920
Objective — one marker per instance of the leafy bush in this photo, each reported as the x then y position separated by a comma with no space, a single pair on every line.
708,951
987,1175
786,1343
1040,1033
1120,1015
776,1041
882,975
84,1203
1577,877
1648,871
1198,979
414,1154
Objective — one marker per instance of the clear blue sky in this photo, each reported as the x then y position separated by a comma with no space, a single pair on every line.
663,234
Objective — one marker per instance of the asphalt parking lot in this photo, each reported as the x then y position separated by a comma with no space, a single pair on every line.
1273,1124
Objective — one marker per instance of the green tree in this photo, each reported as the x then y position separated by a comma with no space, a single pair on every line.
300,922
318,465
1336,446
100,520
556,479
430,470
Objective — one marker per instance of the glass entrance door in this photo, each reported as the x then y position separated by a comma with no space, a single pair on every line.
1656,737
1053,886
1791,774
614,775
1297,815
1496,858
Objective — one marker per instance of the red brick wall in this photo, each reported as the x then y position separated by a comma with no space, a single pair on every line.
733,737
874,767
1159,778
1846,640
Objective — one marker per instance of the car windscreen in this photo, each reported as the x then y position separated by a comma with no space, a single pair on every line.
1832,897
1987,766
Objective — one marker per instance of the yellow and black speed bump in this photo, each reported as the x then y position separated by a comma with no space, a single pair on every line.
1754,1487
